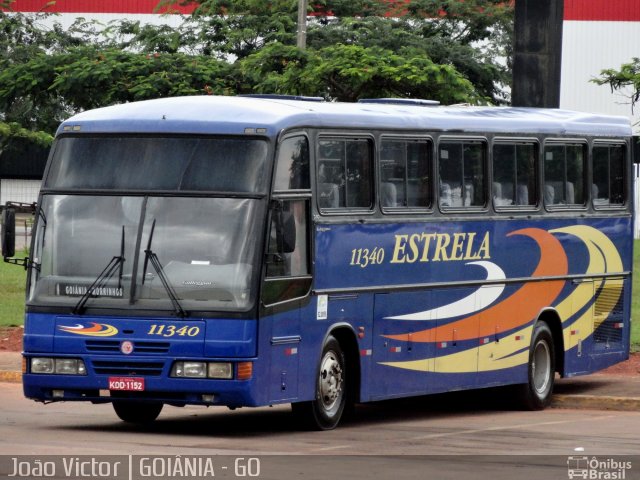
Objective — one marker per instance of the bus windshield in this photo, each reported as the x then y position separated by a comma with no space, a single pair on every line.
181,163
205,246
116,232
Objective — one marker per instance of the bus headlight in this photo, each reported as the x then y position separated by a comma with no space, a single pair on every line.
222,370
189,370
42,365
70,366
60,366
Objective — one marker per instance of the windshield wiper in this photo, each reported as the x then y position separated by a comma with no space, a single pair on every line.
104,277
149,255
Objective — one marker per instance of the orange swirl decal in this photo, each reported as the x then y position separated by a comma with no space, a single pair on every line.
527,301
96,330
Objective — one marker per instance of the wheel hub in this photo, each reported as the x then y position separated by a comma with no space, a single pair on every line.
331,380
541,366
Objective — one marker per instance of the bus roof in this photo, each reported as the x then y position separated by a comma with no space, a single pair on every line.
269,116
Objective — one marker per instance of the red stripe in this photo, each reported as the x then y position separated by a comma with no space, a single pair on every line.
602,10
593,10
93,6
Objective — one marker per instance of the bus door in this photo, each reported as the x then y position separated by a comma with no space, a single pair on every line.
285,290
401,355
288,278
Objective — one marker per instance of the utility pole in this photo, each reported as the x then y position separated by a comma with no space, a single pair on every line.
302,24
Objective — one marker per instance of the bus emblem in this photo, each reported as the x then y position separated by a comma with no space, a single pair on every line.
126,347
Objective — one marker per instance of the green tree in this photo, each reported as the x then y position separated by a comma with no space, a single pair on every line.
238,28
626,78
90,77
468,35
359,48
46,75
11,131
351,72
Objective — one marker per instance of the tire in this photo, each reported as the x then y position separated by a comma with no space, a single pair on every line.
137,412
325,412
536,393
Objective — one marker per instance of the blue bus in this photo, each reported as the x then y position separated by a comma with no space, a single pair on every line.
248,251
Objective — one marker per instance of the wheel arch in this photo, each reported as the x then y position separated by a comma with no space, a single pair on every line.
551,317
346,337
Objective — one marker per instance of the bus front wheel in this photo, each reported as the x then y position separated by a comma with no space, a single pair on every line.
325,411
536,393
137,412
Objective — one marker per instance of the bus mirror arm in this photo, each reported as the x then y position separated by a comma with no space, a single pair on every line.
9,232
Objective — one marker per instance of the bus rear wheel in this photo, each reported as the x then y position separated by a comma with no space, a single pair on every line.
325,411
536,393
137,412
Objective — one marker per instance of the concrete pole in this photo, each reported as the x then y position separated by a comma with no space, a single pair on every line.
537,57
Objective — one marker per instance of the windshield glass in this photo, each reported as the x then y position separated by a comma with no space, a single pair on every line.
159,163
205,246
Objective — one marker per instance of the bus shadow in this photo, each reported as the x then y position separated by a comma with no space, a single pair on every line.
435,406
248,422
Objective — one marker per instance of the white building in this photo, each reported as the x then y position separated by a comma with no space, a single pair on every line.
597,35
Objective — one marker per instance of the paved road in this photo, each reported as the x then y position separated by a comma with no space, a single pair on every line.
461,424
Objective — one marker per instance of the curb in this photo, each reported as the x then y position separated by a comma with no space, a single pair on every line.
593,402
10,377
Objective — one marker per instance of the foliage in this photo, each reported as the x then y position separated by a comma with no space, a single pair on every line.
350,72
87,77
443,50
239,28
14,130
627,77
49,74
468,35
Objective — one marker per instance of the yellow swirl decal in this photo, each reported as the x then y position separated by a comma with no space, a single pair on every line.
95,330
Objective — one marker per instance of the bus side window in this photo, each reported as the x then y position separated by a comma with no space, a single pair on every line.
607,188
292,167
514,174
287,250
461,167
564,174
405,173
345,173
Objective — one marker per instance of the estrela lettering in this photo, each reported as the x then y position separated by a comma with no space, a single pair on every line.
426,247
440,247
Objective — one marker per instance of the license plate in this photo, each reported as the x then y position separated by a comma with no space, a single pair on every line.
129,384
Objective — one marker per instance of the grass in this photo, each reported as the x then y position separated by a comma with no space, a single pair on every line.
12,282
635,299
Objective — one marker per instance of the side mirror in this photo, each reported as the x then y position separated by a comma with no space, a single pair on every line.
285,230
8,232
